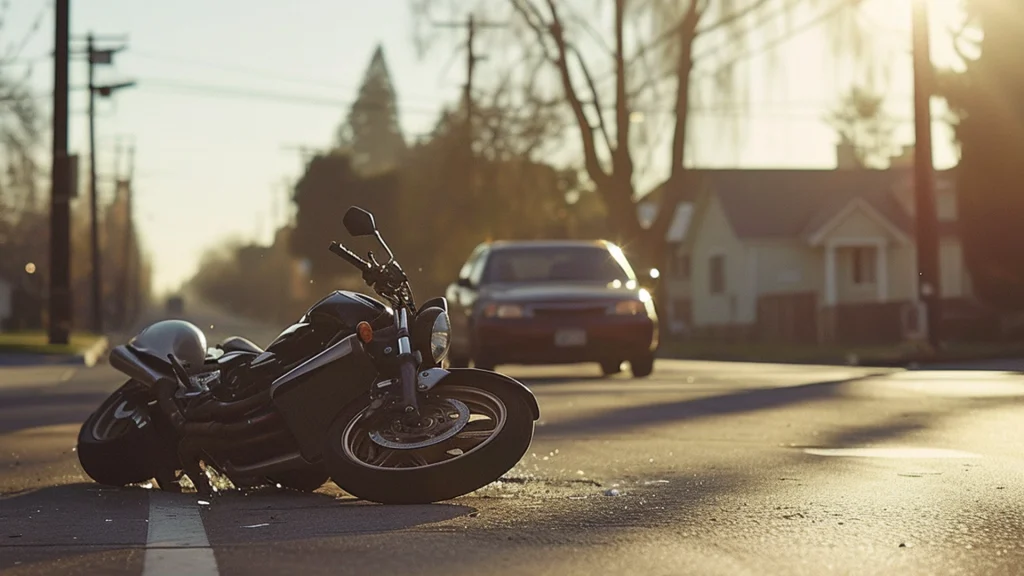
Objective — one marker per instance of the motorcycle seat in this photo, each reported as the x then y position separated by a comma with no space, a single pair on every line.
239,344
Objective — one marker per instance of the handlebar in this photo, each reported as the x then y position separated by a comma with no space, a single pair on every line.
351,257
388,280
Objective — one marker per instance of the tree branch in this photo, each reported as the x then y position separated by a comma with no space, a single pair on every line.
677,186
687,34
529,12
621,158
732,16
591,161
596,98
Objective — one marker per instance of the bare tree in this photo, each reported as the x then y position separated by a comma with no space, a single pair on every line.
610,83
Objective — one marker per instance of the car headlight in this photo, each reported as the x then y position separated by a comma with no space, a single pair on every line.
630,308
504,311
440,337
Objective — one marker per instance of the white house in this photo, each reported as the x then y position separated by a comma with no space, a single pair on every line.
808,255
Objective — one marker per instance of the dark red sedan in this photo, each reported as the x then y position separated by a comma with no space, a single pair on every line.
551,302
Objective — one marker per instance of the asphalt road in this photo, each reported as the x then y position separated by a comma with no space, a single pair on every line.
705,468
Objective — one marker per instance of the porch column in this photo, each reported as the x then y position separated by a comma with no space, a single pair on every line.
882,270
830,275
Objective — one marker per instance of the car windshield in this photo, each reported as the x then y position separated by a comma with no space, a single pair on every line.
554,264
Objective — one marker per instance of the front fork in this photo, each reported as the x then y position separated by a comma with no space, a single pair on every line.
407,364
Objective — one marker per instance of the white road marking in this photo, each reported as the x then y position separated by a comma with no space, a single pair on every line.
177,542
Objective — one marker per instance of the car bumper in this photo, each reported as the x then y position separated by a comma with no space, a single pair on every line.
532,341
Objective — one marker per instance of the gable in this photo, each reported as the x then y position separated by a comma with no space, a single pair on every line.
859,219
789,203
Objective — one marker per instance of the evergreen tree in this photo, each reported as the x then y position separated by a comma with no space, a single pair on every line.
371,134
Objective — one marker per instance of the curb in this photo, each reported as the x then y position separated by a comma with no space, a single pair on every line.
95,352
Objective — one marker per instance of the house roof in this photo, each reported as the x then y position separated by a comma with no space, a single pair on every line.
793,203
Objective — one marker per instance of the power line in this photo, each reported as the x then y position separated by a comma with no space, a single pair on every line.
255,73
772,44
37,23
172,85
245,70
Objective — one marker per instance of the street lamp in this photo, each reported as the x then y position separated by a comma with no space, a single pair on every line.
926,220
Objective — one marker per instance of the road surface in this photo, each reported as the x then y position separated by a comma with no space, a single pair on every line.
705,468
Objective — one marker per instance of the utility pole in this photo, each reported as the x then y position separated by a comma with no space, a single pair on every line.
471,26
59,325
125,293
925,212
96,56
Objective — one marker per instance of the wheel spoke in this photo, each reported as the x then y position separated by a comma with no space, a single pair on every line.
385,457
466,441
458,422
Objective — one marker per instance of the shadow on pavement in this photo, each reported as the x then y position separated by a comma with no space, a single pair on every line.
32,410
618,420
64,525
270,516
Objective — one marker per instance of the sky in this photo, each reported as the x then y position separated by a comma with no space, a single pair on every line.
228,90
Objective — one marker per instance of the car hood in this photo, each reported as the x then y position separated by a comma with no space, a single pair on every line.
555,292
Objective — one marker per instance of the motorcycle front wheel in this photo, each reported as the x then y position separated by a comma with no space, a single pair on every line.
116,442
473,429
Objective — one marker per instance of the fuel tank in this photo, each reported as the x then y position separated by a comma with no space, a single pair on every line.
337,313
344,308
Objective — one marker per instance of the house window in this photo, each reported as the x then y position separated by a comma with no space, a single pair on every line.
863,260
680,266
717,275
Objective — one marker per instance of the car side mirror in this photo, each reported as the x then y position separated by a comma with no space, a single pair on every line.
359,222
465,283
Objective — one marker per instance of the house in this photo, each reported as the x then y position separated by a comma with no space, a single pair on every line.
808,256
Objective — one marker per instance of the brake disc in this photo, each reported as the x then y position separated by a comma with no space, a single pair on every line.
449,429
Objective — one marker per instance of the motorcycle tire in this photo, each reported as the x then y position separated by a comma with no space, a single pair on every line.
113,451
438,481
302,480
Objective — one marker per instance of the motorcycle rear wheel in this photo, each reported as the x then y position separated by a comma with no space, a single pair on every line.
478,454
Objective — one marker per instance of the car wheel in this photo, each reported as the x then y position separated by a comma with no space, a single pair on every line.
610,368
642,367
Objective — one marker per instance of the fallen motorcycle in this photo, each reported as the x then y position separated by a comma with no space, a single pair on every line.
355,391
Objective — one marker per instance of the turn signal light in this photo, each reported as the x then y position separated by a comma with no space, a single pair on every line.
365,332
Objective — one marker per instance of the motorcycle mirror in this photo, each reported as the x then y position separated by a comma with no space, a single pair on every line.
359,222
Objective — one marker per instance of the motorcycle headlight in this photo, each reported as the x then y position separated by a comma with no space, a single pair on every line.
440,337
432,334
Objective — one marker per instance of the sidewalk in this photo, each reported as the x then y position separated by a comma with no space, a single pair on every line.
216,324
999,356
87,356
